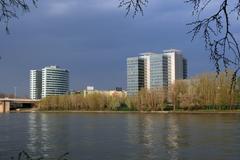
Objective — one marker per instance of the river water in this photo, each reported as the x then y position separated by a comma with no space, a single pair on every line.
130,136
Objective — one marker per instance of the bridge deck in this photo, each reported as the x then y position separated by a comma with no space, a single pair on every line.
18,100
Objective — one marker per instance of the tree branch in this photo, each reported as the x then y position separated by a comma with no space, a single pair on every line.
134,6
8,9
217,33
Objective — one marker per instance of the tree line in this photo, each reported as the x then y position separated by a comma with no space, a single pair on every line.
202,92
206,91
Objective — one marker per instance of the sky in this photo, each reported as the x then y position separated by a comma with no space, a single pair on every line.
92,39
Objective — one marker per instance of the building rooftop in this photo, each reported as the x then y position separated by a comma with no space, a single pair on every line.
147,53
52,66
172,51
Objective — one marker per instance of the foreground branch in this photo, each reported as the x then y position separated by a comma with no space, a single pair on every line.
25,156
134,6
218,35
9,9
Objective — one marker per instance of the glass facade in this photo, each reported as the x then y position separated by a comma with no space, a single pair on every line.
159,71
152,70
185,68
135,75
55,81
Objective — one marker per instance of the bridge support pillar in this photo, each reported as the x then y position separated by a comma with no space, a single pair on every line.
4,106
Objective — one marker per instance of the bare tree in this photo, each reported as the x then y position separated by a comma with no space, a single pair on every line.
217,32
10,8
134,6
214,26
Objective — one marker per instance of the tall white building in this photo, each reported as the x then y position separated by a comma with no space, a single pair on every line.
177,65
51,80
55,81
153,70
147,70
35,84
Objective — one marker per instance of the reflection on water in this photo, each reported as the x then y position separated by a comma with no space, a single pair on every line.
172,138
121,136
44,135
147,135
38,135
33,138
143,126
155,133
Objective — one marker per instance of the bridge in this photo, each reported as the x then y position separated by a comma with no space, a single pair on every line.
7,104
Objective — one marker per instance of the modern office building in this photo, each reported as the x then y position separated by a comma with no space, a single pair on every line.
158,71
146,57
153,70
51,80
35,84
135,74
177,65
55,81
185,70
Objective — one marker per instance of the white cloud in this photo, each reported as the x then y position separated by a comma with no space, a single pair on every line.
59,8
63,7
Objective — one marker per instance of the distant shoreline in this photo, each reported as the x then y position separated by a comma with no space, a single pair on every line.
141,112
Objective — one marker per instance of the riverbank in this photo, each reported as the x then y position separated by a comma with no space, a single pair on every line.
144,112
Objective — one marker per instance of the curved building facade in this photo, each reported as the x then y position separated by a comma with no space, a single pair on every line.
55,81
51,80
